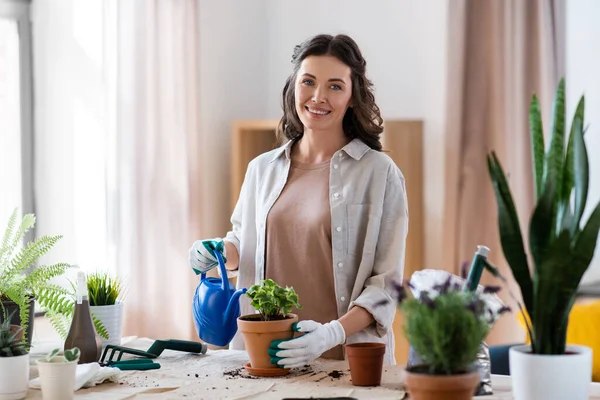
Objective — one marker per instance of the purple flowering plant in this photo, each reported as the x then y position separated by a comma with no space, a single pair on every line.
445,324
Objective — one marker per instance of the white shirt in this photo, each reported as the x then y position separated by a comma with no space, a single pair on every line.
369,223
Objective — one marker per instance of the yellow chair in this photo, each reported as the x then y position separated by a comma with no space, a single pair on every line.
584,330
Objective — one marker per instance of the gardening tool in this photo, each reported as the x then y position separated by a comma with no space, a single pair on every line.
153,352
216,307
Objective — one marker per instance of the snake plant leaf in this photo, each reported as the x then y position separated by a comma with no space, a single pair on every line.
510,232
552,294
581,170
586,241
537,145
553,167
541,224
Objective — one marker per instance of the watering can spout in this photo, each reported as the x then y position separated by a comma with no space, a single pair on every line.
232,309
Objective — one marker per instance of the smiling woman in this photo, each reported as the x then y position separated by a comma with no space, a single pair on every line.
325,213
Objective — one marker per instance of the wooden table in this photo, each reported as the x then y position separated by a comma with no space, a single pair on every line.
219,375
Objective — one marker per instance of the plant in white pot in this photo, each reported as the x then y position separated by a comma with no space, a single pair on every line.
14,362
106,294
57,374
561,246
273,322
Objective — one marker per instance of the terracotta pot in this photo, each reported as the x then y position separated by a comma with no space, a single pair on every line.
366,363
18,330
258,336
424,386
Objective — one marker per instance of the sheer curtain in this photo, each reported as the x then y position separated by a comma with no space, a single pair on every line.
155,212
500,53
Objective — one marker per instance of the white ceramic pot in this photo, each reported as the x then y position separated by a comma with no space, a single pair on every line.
57,378
14,377
550,377
112,319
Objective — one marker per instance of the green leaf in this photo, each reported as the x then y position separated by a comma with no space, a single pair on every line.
510,232
553,168
581,168
569,169
537,145
541,224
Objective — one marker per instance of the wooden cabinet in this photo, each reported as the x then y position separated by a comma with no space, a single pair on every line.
403,142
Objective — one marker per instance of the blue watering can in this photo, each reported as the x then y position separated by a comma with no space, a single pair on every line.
216,307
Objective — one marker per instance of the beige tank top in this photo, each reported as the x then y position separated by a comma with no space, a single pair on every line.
298,243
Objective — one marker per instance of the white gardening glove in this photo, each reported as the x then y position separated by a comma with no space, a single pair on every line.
201,256
317,340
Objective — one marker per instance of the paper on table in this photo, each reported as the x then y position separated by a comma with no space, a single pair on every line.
87,375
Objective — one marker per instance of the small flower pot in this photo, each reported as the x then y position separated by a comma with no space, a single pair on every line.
112,319
366,363
258,336
14,377
424,386
57,378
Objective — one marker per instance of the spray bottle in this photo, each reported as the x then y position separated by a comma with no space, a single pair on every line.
82,333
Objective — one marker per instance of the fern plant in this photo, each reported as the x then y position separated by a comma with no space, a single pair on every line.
23,287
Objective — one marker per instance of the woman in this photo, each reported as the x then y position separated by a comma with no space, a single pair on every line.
325,213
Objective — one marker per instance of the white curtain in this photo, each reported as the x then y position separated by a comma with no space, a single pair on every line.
155,212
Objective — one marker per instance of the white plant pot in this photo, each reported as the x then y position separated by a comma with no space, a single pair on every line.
112,319
550,377
14,377
57,378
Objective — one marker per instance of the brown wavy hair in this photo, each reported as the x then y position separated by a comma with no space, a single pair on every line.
362,120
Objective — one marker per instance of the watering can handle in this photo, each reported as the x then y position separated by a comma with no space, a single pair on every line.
222,269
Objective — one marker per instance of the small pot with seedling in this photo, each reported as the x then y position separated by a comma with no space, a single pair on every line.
106,304
57,374
273,322
14,362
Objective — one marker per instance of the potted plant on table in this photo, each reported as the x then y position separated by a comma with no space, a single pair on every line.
106,294
273,322
14,362
446,329
21,288
561,247
57,374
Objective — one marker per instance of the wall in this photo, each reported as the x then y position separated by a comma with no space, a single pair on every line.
404,43
583,78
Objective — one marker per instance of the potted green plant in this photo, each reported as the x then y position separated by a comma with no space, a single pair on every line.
272,322
19,289
57,374
446,326
106,293
14,362
561,246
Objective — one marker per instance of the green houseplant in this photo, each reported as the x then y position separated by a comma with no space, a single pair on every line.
106,293
19,289
446,326
14,361
273,321
560,244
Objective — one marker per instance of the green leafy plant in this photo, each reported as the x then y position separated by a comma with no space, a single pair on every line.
447,329
15,259
23,287
560,245
271,300
103,289
10,344
69,355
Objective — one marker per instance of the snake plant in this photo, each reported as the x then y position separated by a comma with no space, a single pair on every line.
561,244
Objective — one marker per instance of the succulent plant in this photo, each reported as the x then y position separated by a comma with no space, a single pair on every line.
561,244
11,344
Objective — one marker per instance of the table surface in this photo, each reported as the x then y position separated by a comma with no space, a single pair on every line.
219,374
